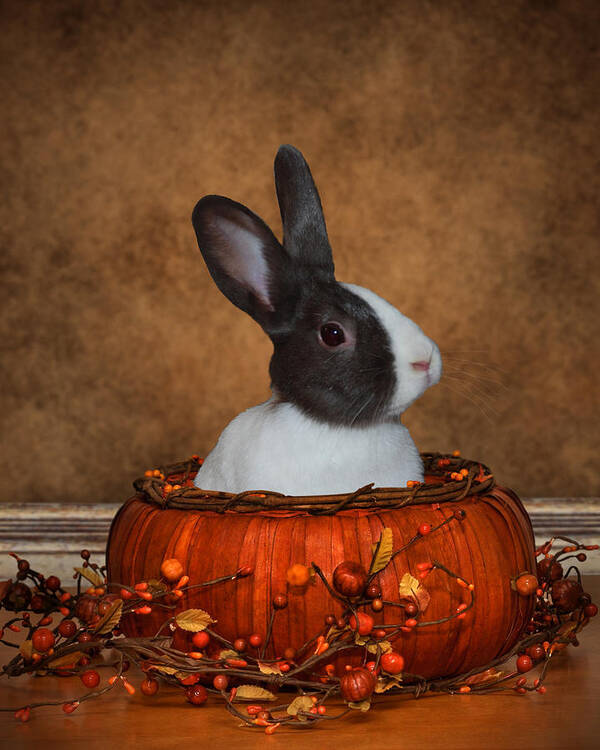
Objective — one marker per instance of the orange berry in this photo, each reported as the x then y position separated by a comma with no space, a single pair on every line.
171,570
129,687
298,575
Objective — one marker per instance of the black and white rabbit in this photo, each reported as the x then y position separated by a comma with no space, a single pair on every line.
345,362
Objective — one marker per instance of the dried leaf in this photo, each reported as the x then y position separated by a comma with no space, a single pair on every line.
384,551
156,587
386,683
359,639
228,653
411,588
362,706
193,620
488,675
383,646
62,661
301,703
269,668
94,578
253,693
26,649
163,668
111,618
162,642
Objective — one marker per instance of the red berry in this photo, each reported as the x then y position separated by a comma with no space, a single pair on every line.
149,686
536,651
90,678
524,663
220,682
379,633
42,639
321,710
196,694
255,640
376,605
410,623
424,529
85,637
365,623
410,609
53,583
239,645
280,601
350,578
392,662
67,628
68,708
591,610
373,591
201,639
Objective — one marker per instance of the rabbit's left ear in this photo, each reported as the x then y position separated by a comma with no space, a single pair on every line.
246,260
304,231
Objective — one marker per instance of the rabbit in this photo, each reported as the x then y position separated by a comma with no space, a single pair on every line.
345,365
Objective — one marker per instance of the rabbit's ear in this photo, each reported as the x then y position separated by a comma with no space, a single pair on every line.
244,258
304,231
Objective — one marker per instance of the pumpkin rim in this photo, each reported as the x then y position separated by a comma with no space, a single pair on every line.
477,480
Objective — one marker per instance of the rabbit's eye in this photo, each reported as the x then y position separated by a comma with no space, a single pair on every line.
332,334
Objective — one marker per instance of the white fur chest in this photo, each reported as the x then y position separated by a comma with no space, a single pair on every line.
274,446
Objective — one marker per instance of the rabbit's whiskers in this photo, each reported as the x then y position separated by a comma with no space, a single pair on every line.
481,402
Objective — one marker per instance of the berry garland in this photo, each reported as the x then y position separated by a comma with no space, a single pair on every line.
237,671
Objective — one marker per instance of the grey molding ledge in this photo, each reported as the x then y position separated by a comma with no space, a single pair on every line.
51,536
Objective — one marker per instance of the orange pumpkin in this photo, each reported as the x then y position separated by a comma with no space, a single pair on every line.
491,546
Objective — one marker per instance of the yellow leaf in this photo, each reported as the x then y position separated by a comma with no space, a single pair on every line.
253,693
386,683
383,553
383,646
111,618
94,578
26,649
269,668
193,620
62,661
303,703
362,706
411,588
228,653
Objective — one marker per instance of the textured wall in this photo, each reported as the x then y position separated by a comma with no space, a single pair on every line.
455,145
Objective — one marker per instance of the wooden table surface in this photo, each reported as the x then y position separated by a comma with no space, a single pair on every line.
567,716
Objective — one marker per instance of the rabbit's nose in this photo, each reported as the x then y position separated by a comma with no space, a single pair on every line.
422,364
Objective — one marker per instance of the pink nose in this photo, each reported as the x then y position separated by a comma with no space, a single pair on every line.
420,365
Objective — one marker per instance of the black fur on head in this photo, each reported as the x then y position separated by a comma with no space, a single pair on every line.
291,292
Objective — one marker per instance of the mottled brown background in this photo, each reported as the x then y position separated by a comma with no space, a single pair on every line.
455,145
